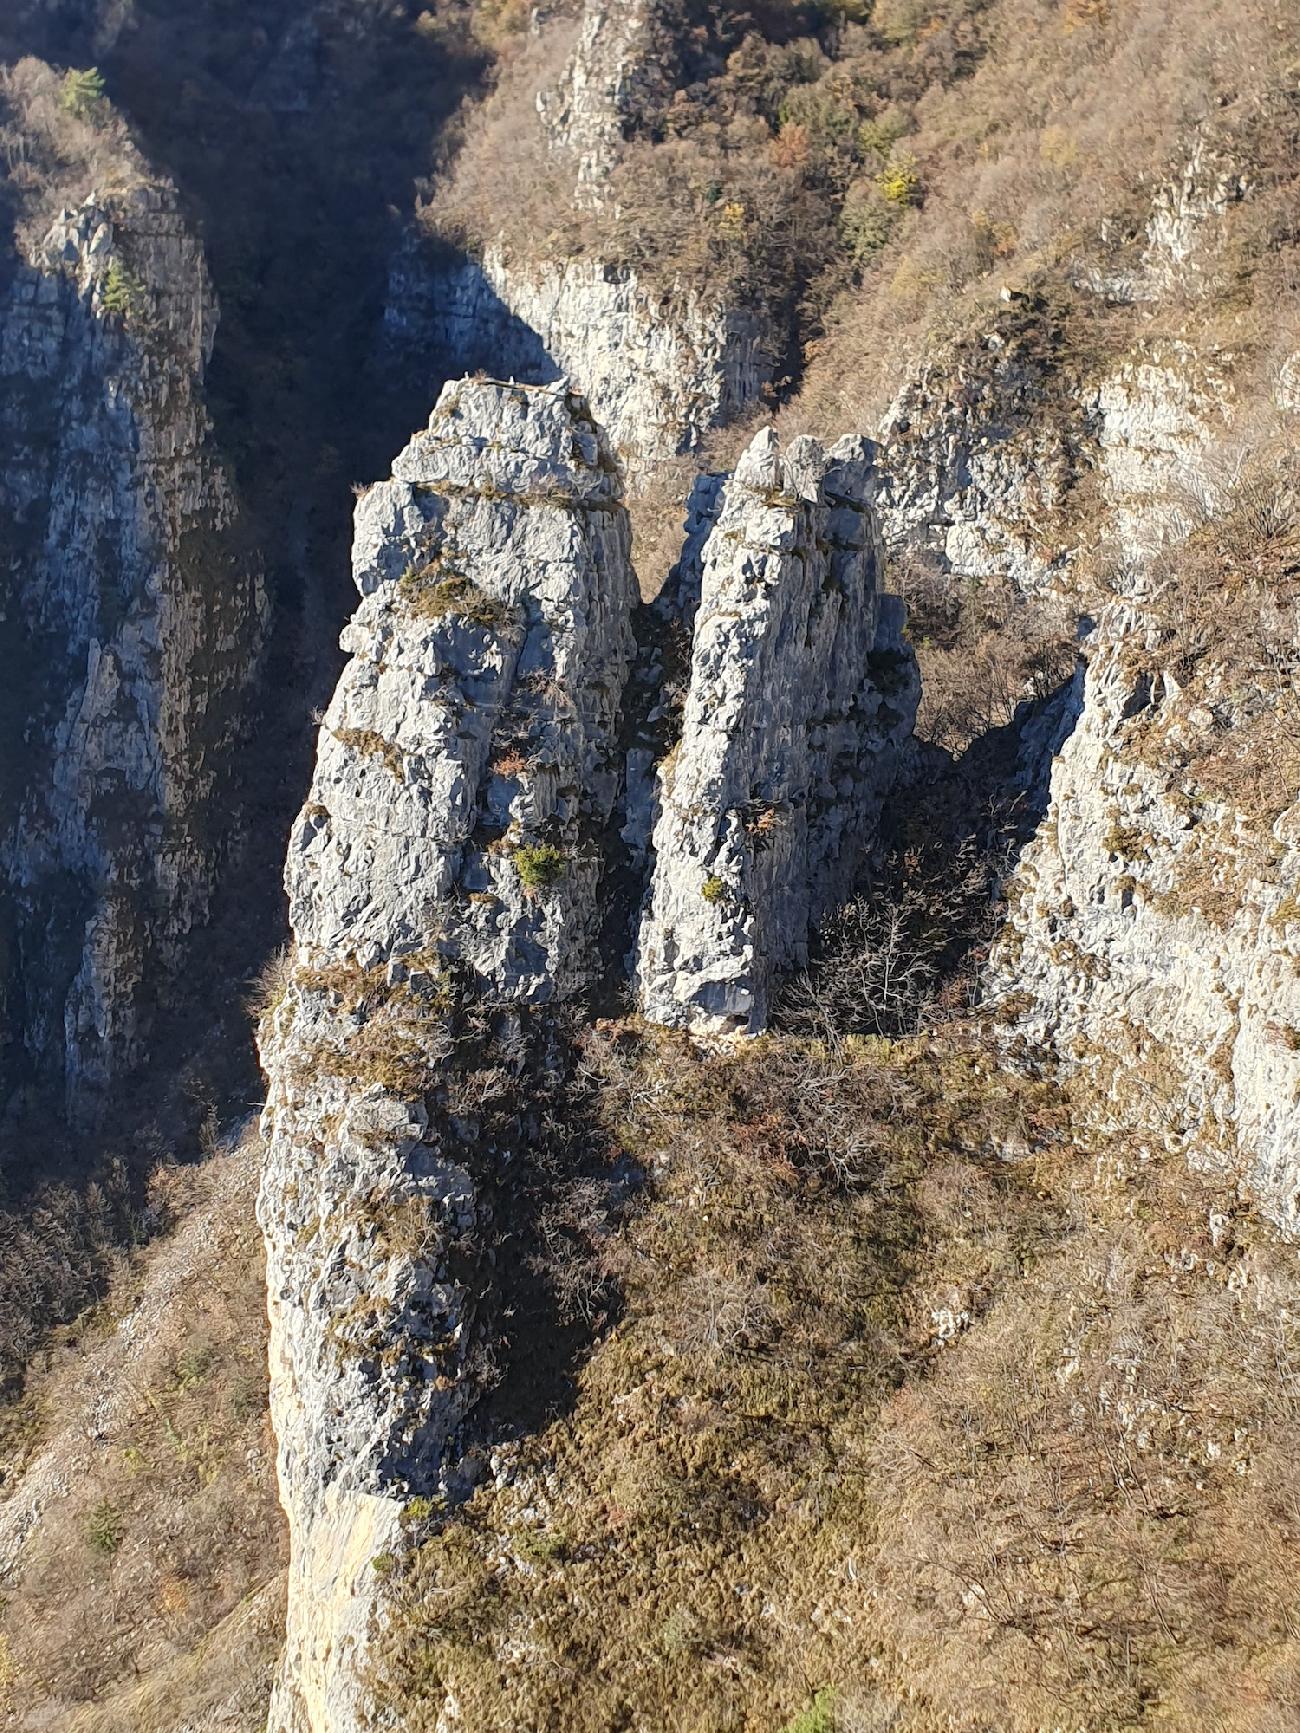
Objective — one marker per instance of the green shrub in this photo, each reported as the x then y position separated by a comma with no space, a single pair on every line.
867,221
818,1717
421,1509
105,1528
713,889
538,865
122,293
878,136
83,95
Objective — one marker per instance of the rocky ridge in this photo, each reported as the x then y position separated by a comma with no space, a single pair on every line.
1152,933
981,454
132,594
801,691
623,63
447,880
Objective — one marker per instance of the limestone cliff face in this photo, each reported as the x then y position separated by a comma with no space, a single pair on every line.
1164,417
801,691
659,366
661,360
449,856
448,873
132,625
1153,939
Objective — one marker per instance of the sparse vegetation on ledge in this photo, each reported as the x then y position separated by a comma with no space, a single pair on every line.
539,865
433,593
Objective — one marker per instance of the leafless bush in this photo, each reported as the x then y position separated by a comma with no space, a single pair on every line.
982,648
57,1252
882,960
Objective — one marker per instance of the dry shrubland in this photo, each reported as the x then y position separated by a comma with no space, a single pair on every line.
873,174
54,153
146,1594
923,1410
1221,618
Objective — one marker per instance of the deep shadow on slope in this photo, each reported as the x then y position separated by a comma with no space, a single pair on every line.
909,948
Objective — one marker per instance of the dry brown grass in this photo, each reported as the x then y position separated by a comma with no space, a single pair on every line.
958,1441
145,1592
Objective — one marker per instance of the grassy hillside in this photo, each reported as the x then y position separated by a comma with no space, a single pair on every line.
922,1411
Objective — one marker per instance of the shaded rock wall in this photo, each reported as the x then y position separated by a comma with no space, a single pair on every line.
132,627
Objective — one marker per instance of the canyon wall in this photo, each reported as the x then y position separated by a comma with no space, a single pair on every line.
660,365
132,632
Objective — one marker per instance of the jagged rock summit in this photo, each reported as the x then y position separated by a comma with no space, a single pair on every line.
447,874
450,852
478,712
802,689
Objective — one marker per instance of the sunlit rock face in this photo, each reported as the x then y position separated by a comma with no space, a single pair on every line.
802,690
450,855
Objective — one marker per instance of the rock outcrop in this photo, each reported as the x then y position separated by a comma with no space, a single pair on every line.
131,630
1154,933
1163,417
658,365
450,855
622,68
1151,940
802,688
981,455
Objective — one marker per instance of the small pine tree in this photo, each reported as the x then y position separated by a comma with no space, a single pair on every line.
122,294
83,95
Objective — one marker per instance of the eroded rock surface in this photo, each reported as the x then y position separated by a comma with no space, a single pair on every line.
802,689
659,366
450,855
622,66
1154,938
131,628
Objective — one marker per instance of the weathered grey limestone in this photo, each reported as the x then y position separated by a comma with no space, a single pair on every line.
132,628
450,850
1118,949
980,454
1151,932
802,689
659,366
1164,416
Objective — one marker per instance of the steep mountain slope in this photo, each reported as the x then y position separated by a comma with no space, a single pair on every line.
134,623
925,1360
141,1545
